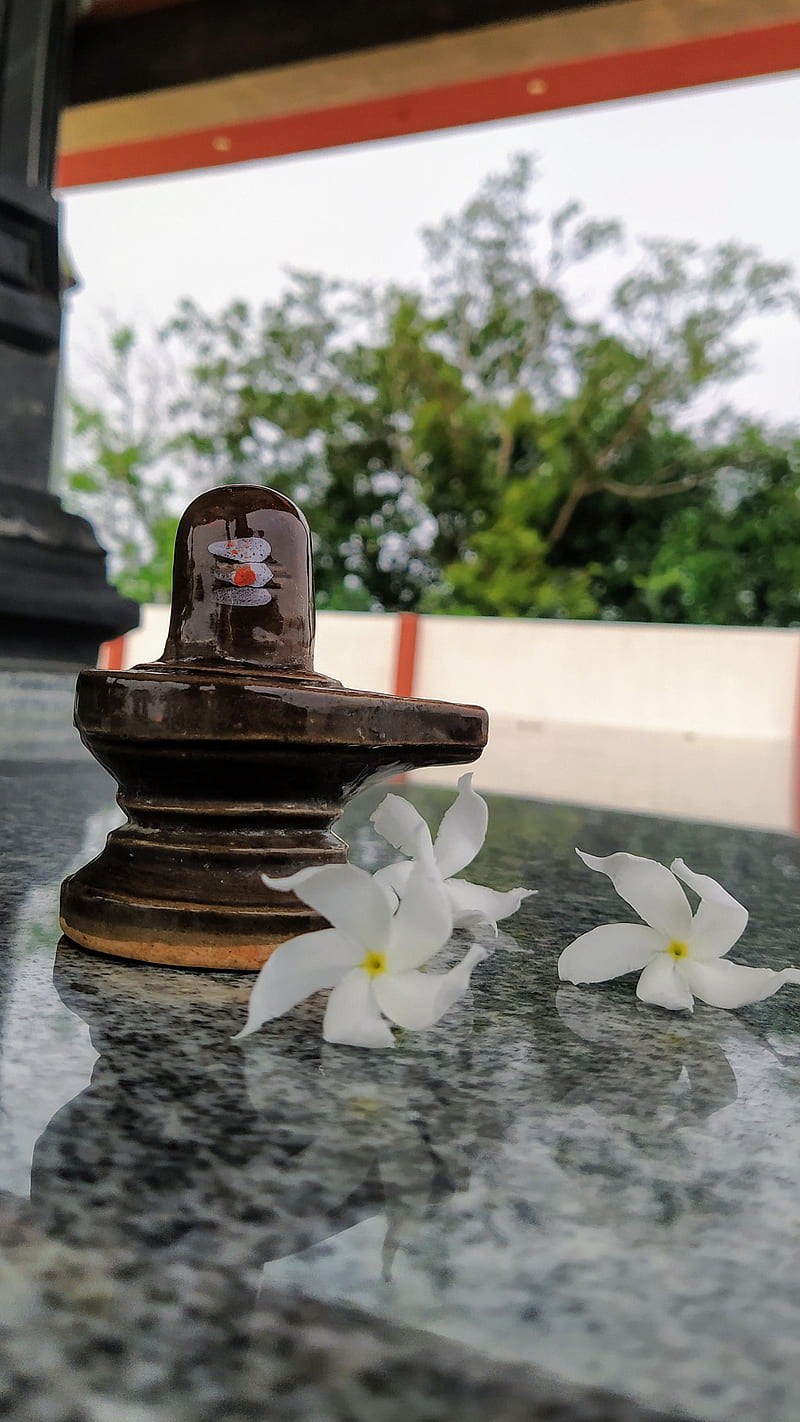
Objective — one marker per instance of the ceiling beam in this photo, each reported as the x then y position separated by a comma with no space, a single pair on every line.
171,45
621,50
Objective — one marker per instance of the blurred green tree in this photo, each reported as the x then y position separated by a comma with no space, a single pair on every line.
477,445
120,473
735,560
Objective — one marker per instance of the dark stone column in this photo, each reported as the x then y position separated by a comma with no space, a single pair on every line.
55,604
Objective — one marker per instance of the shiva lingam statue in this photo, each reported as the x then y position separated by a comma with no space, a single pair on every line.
232,755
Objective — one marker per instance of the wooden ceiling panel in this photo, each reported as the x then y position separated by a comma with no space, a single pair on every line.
566,57
139,48
96,11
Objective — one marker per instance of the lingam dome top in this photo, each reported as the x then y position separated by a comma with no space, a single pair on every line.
242,583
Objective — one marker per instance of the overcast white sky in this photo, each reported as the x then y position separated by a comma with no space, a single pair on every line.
707,164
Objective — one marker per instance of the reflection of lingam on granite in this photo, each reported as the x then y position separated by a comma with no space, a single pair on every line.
52,816
192,1160
195,1146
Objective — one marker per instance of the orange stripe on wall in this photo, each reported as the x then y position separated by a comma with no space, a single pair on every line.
794,772
112,655
405,666
743,55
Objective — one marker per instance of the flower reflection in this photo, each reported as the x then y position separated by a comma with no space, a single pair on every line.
656,1072
192,1147
393,1141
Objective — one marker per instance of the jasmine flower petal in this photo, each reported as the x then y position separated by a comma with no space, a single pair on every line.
417,1000
352,1017
720,920
399,824
394,878
295,970
345,895
724,984
461,835
663,983
423,922
650,888
472,903
462,831
608,952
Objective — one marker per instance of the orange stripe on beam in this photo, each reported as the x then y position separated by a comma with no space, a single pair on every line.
743,55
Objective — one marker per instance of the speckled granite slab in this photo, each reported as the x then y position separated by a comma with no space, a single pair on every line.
560,1204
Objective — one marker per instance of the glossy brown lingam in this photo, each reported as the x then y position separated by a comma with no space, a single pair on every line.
233,756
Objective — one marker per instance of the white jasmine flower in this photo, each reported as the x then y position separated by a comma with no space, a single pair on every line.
371,957
461,835
680,956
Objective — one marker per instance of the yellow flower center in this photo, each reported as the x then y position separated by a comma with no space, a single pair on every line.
374,963
678,949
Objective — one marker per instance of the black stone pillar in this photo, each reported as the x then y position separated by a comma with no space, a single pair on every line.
55,604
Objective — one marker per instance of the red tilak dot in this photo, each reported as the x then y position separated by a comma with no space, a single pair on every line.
243,577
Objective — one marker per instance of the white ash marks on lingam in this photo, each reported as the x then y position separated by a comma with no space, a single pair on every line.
242,571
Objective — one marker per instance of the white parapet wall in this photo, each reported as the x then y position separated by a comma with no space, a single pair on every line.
358,648
696,722
719,681
146,642
692,721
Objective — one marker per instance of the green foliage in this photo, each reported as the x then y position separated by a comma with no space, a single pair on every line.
735,559
122,473
478,445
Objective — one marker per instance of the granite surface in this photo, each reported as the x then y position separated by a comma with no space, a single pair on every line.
559,1204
